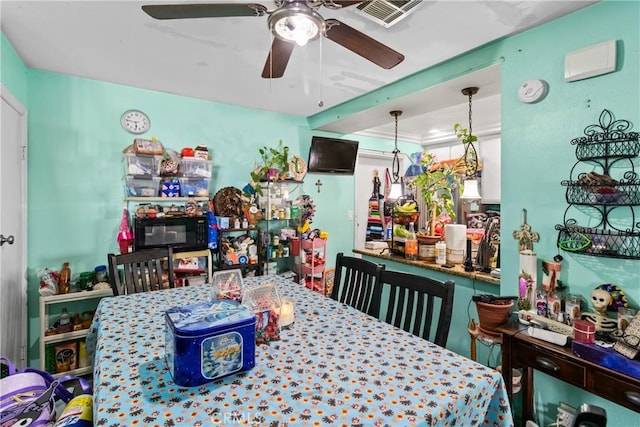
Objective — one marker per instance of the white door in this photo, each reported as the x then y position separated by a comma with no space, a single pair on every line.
13,197
368,161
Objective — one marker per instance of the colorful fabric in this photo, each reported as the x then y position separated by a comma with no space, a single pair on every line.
375,231
334,366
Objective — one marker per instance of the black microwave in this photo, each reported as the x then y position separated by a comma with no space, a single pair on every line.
179,232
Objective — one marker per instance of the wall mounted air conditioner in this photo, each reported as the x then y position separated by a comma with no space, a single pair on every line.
386,12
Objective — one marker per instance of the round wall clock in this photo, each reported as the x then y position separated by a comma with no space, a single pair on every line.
532,91
135,121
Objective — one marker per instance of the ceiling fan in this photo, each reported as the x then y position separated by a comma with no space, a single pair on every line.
293,22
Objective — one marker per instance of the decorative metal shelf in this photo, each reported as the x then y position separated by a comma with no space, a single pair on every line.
605,144
596,242
618,195
607,139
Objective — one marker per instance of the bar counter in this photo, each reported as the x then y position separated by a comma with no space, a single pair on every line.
456,270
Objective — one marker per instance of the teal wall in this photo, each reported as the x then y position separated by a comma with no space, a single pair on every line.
75,168
537,154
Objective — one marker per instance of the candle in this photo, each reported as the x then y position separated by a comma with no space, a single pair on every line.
286,313
527,280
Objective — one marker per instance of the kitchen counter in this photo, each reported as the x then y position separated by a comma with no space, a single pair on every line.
457,270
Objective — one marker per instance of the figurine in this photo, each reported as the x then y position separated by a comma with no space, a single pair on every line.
601,300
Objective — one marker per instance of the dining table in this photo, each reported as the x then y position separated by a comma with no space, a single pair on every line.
333,366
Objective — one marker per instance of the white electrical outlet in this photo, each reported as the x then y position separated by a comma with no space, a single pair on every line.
566,414
349,215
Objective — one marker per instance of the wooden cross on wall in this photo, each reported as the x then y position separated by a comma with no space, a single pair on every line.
525,236
318,184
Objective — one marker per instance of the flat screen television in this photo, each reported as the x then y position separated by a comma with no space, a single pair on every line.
332,155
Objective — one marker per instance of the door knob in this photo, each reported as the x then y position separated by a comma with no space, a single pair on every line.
4,240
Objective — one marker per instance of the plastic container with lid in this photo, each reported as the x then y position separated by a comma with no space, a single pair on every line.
85,280
441,253
101,274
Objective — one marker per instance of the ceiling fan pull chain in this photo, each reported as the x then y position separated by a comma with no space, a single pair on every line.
321,102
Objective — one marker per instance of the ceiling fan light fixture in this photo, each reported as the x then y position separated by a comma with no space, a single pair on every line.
296,22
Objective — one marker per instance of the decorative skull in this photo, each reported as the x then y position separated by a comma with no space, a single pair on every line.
601,299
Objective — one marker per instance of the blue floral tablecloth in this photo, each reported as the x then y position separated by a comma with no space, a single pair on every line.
333,366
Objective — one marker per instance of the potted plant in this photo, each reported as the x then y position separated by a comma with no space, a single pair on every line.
276,161
274,165
493,312
436,184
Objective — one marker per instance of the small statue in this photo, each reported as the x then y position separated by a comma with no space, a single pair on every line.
601,300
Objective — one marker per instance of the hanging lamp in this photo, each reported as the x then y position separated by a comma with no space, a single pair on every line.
470,156
396,186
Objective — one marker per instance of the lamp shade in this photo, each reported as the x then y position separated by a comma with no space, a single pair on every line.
396,191
470,191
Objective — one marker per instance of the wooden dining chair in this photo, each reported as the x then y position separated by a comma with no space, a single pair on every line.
412,304
357,283
140,271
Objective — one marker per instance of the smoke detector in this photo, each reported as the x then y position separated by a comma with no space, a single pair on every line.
386,12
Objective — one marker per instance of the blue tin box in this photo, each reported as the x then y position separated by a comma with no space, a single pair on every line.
209,340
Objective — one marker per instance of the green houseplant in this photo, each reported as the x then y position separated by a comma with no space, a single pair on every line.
273,165
275,158
436,184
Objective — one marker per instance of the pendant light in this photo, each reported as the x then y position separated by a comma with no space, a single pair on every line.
470,156
396,186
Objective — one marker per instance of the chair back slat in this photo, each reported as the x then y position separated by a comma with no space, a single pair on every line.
357,283
140,271
416,301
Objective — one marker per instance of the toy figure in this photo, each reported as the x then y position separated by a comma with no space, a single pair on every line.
601,299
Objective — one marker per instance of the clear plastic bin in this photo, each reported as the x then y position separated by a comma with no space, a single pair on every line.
194,187
141,165
193,167
141,187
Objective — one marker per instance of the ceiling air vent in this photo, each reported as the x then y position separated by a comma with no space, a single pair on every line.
387,12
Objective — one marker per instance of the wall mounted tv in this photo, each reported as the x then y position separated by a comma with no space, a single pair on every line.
332,155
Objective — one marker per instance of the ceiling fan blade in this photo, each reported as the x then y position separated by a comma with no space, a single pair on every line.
278,59
203,10
345,3
362,44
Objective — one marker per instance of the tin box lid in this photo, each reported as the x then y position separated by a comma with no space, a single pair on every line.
203,317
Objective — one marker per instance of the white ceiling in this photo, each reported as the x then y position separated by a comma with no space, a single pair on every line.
221,59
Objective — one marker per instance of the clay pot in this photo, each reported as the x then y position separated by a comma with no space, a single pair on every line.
492,315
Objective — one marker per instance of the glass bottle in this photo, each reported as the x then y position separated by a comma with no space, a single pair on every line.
64,279
411,244
64,322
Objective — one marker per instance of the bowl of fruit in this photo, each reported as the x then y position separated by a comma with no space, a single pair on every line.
405,211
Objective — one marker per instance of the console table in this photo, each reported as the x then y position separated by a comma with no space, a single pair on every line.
519,350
